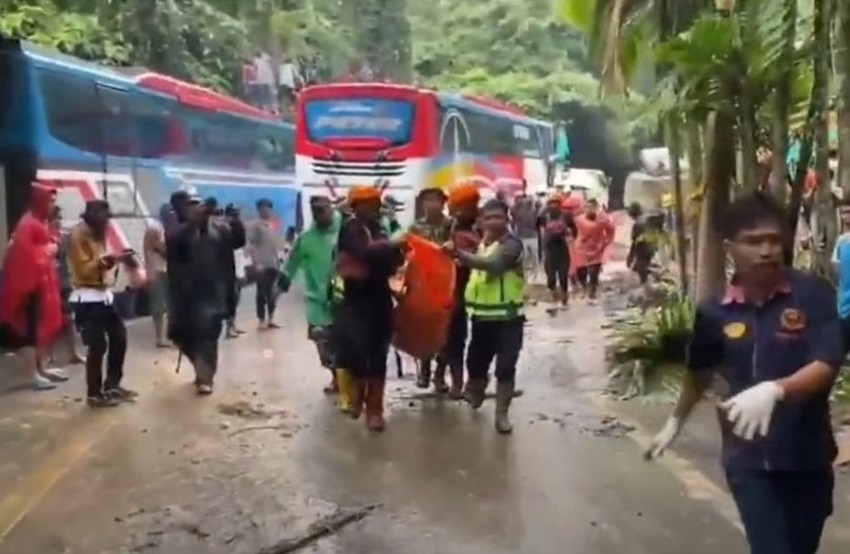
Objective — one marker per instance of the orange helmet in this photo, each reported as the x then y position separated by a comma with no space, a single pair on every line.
364,193
462,195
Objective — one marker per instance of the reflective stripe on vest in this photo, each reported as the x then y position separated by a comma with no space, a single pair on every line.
496,298
337,288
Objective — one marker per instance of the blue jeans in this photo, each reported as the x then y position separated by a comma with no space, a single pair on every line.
783,512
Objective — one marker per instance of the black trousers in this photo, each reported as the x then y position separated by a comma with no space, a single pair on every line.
266,297
455,347
557,266
783,512
588,277
499,340
362,332
104,334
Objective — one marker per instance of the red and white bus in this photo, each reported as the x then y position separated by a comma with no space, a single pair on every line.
404,138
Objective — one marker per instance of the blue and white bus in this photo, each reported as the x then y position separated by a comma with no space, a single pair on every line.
133,138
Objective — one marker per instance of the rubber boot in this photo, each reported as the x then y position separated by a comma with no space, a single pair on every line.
358,398
345,383
456,391
475,390
375,405
439,379
504,395
423,375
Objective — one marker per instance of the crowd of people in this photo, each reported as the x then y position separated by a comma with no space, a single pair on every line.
770,347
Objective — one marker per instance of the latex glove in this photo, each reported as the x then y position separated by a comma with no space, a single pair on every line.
664,438
750,411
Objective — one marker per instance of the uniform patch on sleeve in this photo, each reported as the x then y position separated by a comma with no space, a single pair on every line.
735,330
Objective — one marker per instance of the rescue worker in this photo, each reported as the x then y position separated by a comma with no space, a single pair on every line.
773,343
557,228
201,279
494,300
435,227
463,207
366,259
595,235
313,255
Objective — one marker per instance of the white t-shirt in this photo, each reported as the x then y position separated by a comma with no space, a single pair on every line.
265,75
288,74
241,262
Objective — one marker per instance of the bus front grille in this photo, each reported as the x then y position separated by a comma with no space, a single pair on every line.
358,169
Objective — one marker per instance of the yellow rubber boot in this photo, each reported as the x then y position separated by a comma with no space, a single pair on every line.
345,384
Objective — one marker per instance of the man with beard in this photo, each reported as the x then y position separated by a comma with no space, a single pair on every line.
93,273
557,227
772,342
435,227
463,208
495,296
366,259
201,283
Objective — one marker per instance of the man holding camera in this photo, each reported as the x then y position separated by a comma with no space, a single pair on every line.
201,281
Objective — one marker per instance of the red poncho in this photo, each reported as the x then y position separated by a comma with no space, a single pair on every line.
29,269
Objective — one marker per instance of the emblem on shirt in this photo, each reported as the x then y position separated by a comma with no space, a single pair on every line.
792,320
735,330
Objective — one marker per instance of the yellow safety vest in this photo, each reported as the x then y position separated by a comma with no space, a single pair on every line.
495,298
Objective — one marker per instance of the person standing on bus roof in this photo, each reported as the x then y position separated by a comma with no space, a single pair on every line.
463,207
264,253
495,297
366,259
435,227
30,304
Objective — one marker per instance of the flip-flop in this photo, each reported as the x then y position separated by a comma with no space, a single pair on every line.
56,374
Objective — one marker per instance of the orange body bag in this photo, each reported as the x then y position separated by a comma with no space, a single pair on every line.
425,300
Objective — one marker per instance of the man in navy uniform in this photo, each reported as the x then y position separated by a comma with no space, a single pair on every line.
772,343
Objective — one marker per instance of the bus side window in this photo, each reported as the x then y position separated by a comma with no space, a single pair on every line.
86,116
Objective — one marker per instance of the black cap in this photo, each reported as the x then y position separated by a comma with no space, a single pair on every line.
494,204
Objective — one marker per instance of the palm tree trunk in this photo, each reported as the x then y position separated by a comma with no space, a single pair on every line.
842,58
782,106
826,227
711,258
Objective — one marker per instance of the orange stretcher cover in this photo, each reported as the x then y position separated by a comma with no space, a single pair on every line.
425,299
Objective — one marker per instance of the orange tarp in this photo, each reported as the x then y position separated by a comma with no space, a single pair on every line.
425,299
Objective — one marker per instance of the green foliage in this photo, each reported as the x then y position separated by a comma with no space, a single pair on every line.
81,35
655,336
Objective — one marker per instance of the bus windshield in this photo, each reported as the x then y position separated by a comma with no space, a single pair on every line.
374,118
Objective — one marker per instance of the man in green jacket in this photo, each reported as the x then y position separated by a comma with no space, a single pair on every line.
313,254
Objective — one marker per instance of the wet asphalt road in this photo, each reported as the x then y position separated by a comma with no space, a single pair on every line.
267,457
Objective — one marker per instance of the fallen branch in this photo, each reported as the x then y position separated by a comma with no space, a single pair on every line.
319,529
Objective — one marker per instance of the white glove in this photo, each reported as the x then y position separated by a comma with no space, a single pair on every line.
664,438
750,411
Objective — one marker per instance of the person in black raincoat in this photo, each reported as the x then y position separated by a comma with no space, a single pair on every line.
201,282
366,259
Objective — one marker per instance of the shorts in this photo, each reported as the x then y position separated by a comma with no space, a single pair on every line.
322,337
158,294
